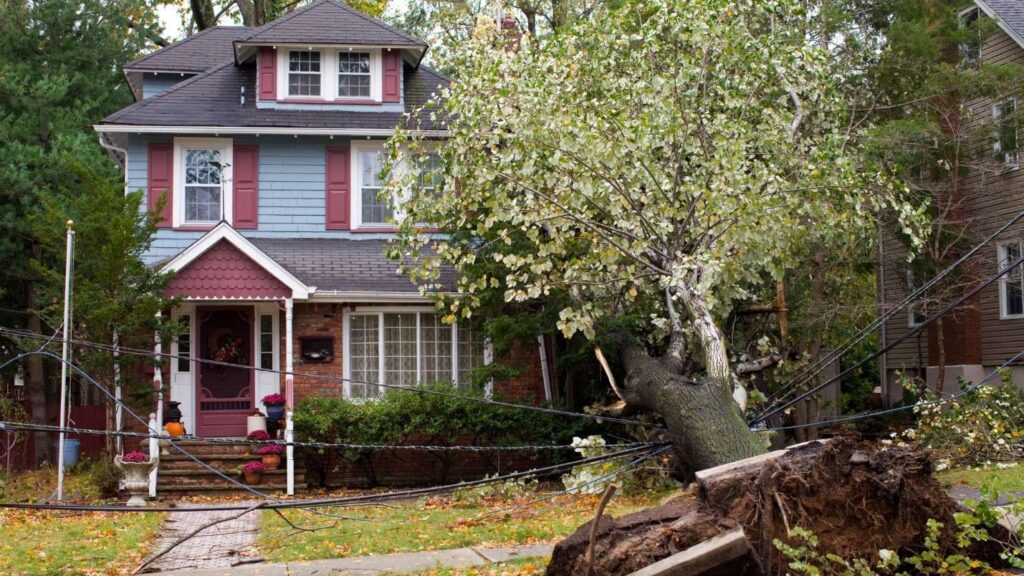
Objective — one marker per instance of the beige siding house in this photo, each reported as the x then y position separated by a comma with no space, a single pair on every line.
989,329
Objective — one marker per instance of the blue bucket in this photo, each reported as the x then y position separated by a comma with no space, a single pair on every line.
71,446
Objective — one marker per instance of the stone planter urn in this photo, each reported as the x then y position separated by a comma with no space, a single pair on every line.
136,476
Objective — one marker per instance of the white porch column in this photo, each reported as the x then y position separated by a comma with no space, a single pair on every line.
289,393
156,419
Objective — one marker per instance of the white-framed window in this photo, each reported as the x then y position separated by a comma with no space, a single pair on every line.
1011,284
354,74
970,46
406,346
304,72
184,351
368,208
266,333
330,74
431,171
915,312
1004,116
202,181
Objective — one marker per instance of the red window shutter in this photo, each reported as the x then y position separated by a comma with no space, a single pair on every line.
338,184
392,71
160,181
268,73
246,191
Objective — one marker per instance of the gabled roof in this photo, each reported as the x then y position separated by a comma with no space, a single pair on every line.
1009,14
197,53
329,22
224,232
214,98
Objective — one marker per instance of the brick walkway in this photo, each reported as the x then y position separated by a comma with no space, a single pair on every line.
221,546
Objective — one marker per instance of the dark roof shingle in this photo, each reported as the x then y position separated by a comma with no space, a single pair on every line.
214,98
343,265
1011,12
197,53
330,22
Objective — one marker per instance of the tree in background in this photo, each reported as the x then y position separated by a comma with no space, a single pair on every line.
658,163
59,73
198,15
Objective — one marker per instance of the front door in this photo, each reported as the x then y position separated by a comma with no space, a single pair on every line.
224,394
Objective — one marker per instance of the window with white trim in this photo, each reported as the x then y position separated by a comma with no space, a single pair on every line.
202,181
1011,284
915,310
970,46
204,189
405,348
354,74
1005,146
185,344
373,210
431,171
266,342
304,73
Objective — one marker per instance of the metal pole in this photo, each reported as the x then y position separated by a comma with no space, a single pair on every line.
65,350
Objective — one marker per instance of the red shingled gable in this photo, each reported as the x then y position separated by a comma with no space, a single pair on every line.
224,271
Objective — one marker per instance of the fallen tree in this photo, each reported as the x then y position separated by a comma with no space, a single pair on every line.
856,497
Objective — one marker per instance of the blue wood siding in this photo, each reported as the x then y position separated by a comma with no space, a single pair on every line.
292,194
154,84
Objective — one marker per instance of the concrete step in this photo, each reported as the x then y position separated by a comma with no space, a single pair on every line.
204,447
194,477
174,491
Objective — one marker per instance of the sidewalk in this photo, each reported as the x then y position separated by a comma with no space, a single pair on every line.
402,563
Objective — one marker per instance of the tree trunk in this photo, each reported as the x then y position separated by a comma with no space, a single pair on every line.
35,383
704,424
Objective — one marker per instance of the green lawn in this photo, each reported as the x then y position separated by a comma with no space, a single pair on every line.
38,542
1000,479
524,567
435,525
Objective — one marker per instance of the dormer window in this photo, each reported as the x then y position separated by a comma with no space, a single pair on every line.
330,75
303,73
354,74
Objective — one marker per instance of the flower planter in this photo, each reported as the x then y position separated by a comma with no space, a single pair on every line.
271,461
253,478
254,423
136,479
275,413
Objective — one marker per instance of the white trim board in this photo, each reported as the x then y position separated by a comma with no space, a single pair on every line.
255,130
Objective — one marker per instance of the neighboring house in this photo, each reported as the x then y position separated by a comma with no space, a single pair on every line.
266,144
989,329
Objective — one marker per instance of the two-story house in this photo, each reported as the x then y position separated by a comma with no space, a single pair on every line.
988,329
261,148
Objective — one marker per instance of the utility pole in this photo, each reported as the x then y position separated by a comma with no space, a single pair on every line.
65,352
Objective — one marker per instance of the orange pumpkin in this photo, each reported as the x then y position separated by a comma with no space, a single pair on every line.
175,429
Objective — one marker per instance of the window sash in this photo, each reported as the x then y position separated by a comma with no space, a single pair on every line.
373,208
203,185
266,342
417,348
1011,285
304,73
1006,144
354,74
185,344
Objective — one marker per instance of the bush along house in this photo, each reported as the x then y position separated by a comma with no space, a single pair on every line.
261,149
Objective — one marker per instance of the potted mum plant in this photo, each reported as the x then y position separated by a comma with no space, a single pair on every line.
136,466
271,455
257,436
275,406
253,472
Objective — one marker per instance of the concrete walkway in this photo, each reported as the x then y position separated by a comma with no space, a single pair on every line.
403,563
220,546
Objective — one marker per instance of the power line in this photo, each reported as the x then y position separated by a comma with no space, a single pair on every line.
341,445
887,411
818,366
426,391
771,412
347,501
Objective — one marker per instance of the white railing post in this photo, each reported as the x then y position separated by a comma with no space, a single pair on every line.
154,452
289,394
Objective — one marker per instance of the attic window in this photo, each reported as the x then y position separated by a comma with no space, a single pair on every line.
354,74
303,73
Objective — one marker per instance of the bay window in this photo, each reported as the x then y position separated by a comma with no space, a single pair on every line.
404,348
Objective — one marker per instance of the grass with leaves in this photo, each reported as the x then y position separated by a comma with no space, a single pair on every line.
76,543
435,524
1001,478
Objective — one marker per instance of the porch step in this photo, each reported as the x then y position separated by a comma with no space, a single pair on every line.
173,492
180,475
191,479
201,447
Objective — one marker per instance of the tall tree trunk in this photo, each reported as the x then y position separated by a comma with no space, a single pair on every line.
35,384
203,13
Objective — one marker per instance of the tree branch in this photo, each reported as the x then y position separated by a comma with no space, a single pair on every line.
758,364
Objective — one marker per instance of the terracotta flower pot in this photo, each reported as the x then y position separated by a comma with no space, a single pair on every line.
271,461
253,478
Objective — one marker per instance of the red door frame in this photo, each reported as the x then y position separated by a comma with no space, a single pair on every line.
238,429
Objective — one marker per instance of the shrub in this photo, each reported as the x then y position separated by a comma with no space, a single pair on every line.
984,425
270,449
103,477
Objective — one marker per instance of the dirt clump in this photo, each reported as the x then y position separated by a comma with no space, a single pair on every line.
857,497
